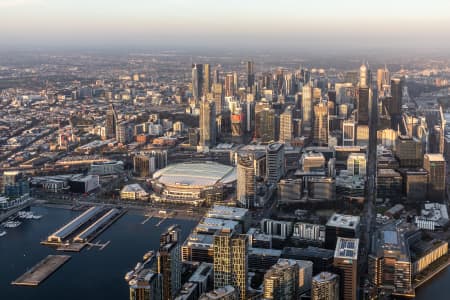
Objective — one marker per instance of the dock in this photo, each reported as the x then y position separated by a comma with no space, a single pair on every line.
161,221
41,271
149,217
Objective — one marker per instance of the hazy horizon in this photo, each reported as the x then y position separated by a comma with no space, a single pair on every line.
248,25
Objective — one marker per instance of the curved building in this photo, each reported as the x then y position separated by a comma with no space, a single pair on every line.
193,183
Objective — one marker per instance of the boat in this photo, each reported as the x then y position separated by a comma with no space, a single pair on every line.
2,233
37,217
11,224
138,266
129,275
147,255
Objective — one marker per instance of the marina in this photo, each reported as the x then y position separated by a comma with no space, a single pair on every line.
42,270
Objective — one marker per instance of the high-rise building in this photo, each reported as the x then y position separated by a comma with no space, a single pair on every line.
246,182
169,262
207,123
338,225
307,105
286,125
275,162
145,164
409,152
346,262
356,164
197,81
218,96
281,281
320,134
362,114
348,132
364,76
383,79
435,165
111,122
250,74
395,105
231,261
145,286
325,286
206,79
265,123
229,85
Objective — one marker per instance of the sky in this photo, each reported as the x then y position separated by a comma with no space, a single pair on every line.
227,23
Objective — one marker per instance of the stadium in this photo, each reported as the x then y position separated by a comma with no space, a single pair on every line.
193,183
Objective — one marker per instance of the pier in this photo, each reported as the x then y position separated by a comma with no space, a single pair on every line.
42,270
161,221
149,217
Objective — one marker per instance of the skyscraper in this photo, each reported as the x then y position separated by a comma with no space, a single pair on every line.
206,79
364,76
320,133
218,95
348,132
231,261
307,105
346,261
197,81
281,281
364,95
250,74
111,122
395,105
246,183
229,85
383,79
275,162
325,286
265,123
145,286
435,166
286,125
169,262
207,123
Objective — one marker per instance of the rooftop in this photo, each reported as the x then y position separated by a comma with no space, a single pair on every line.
346,248
344,221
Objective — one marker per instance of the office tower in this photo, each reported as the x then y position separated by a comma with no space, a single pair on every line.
275,162
325,286
124,132
346,262
434,164
321,258
145,164
218,96
362,114
237,125
231,261
383,79
250,75
338,225
246,182
197,81
235,82
364,76
145,286
362,135
348,132
289,191
307,105
227,292
229,85
169,262
207,123
395,106
265,123
206,79
313,161
286,125
409,152
111,122
216,75
416,183
320,133
281,281
356,164
249,106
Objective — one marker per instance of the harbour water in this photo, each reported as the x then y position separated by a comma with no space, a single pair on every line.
90,274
